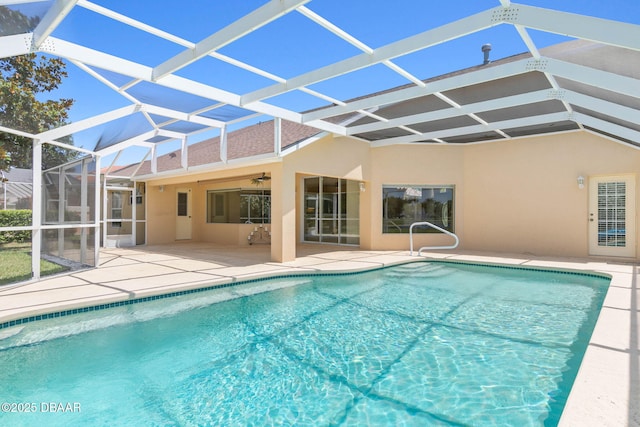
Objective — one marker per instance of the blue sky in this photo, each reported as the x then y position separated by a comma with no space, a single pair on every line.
293,45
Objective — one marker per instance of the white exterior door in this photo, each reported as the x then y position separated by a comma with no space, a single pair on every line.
612,216
183,214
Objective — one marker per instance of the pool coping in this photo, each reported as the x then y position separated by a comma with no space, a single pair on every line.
606,390
293,274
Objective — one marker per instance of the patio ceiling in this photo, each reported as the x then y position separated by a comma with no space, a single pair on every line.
591,83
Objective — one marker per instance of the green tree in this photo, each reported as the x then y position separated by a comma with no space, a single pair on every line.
23,82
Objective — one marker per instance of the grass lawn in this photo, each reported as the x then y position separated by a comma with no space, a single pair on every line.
15,263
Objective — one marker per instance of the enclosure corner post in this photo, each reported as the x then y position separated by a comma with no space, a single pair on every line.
36,210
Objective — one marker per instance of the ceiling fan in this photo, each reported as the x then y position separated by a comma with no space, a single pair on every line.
262,178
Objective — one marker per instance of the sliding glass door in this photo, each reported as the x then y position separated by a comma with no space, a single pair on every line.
331,211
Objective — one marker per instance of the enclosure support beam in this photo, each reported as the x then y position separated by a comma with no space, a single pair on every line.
134,209
56,13
62,191
84,210
96,213
223,144
36,216
277,136
154,159
105,224
184,153
241,27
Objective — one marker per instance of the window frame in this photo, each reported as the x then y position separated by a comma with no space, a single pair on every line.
402,225
233,206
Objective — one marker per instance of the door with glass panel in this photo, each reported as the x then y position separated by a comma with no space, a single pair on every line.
612,216
331,210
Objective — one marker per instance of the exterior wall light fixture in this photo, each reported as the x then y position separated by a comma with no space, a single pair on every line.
581,182
362,187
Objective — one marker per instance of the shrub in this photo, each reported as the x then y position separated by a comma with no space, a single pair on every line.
15,218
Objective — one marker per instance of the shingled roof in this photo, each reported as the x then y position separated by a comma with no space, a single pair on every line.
246,142
18,175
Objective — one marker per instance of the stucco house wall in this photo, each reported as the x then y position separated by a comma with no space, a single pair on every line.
522,196
161,213
519,195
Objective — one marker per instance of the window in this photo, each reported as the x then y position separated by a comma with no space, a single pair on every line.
255,208
140,189
219,205
404,205
183,200
239,206
116,208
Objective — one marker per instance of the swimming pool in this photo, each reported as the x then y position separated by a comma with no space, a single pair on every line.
417,344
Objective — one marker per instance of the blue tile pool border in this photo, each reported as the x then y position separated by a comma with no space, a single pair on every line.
105,306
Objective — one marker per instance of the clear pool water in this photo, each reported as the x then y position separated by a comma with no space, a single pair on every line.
419,344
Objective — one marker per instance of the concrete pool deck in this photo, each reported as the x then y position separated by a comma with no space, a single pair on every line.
605,393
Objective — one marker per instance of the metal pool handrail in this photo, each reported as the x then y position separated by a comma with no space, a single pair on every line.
455,245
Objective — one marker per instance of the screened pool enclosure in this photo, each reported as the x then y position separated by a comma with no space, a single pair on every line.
204,70
74,211
58,215
69,212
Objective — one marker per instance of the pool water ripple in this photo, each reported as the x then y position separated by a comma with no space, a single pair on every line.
418,344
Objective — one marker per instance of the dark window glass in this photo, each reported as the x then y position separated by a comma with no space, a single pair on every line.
402,206
182,204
